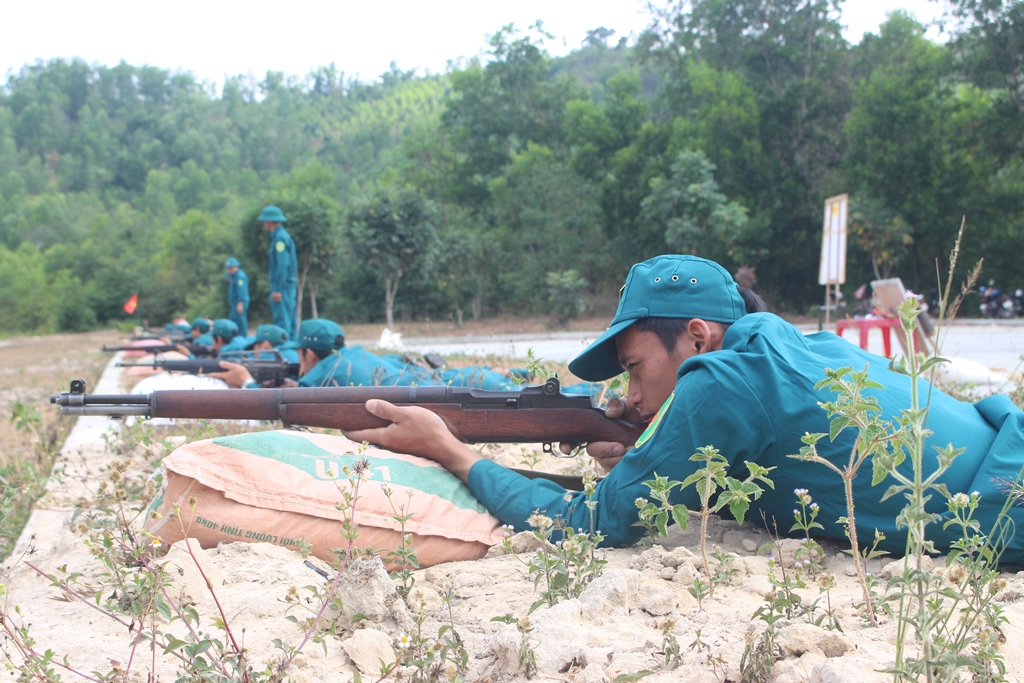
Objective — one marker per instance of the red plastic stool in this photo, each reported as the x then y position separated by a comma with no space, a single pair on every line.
866,324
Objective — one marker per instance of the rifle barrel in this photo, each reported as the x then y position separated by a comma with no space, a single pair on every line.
533,414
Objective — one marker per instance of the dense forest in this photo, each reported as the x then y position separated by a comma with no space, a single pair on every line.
521,183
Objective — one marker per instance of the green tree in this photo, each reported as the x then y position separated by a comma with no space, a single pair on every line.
548,218
391,230
792,55
914,145
498,109
883,235
460,263
696,218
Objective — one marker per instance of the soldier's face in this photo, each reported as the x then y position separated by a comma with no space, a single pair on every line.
651,368
307,361
270,227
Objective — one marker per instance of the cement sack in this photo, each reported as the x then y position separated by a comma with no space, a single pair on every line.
285,487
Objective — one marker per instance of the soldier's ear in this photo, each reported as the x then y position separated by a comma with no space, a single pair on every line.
704,336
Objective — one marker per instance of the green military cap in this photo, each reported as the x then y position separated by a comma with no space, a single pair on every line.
669,286
231,262
224,328
319,334
271,333
201,324
271,214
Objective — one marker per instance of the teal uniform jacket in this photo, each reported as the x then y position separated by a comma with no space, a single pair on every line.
478,378
356,367
239,343
283,277
753,400
238,292
492,380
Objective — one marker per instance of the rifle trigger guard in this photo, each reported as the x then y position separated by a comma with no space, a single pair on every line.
549,449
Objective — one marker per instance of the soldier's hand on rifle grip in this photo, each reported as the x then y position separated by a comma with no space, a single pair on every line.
606,453
234,375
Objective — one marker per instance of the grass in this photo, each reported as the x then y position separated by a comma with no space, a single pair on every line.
31,433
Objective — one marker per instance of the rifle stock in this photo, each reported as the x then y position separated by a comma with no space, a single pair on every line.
537,414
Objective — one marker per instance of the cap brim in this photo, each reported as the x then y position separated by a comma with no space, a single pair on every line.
288,345
600,360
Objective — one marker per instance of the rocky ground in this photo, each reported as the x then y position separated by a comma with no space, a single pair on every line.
639,619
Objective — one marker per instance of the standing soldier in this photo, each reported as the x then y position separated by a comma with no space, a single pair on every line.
283,270
238,295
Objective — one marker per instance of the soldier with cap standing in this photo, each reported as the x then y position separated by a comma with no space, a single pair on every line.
238,295
283,264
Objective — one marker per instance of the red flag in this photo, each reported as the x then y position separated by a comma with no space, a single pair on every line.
132,303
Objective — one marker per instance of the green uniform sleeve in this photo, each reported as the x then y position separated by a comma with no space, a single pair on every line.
730,420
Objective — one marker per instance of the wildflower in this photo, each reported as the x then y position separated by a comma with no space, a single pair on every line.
567,497
155,542
540,522
81,527
404,641
997,585
826,581
956,574
115,476
799,492
120,494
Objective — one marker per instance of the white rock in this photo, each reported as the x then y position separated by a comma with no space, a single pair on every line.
187,582
368,649
592,673
848,670
800,638
658,603
425,598
613,589
367,589
895,568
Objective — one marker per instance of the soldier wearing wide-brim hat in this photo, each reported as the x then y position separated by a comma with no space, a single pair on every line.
283,275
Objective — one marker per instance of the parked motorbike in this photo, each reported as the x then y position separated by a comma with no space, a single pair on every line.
1018,302
995,304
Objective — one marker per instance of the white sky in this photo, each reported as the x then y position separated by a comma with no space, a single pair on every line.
218,38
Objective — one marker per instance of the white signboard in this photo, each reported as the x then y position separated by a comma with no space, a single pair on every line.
833,242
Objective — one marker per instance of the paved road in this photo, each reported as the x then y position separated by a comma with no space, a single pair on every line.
995,344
